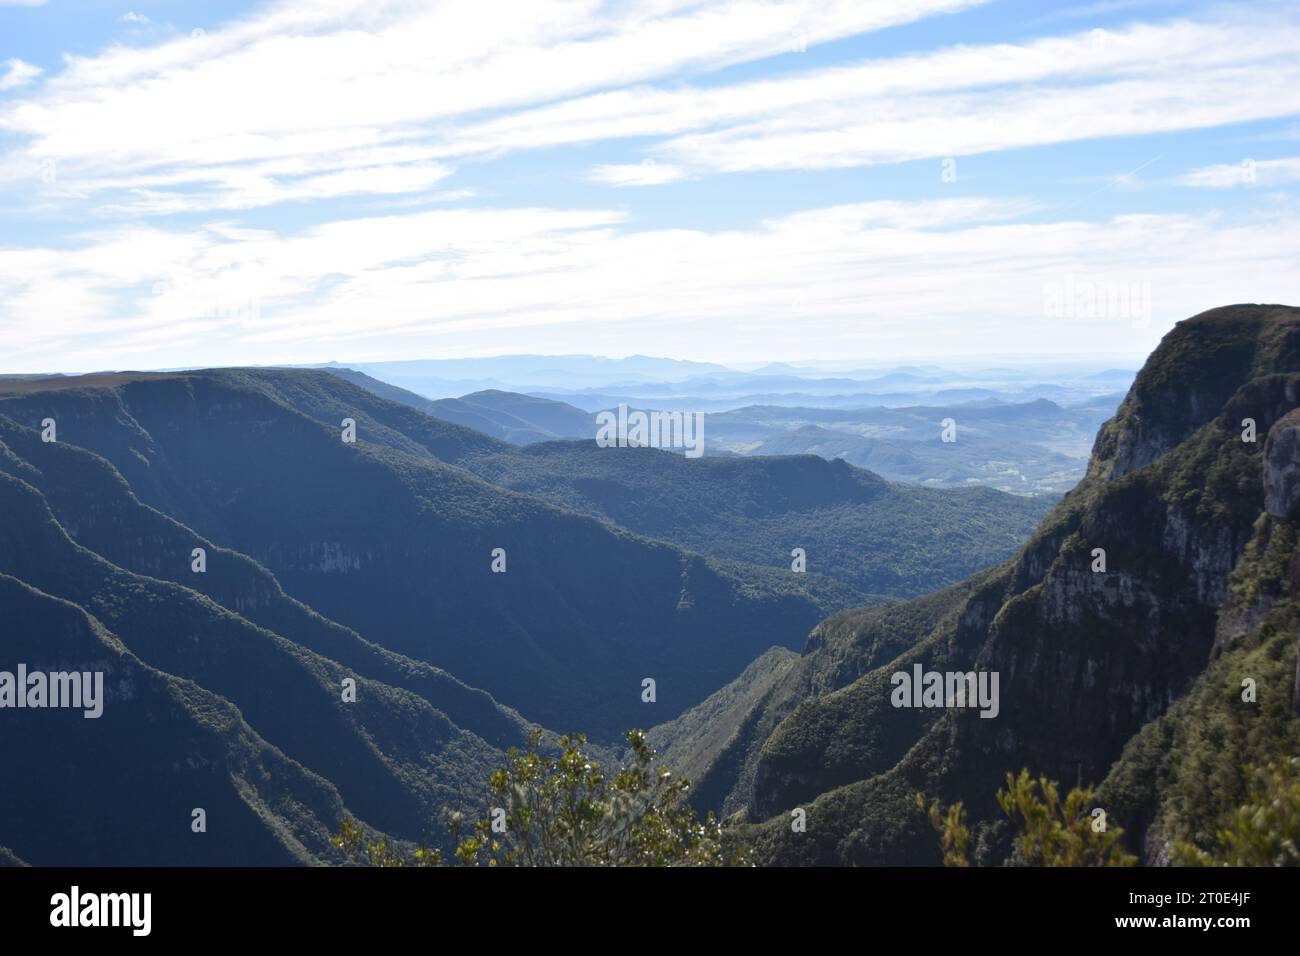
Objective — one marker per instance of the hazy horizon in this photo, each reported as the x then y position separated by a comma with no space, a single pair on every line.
961,362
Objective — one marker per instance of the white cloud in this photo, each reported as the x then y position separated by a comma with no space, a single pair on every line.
937,277
1140,80
322,99
1248,172
202,123
302,79
251,188
647,173
18,73
132,17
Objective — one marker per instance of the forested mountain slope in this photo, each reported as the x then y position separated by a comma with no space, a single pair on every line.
382,536
879,538
1131,675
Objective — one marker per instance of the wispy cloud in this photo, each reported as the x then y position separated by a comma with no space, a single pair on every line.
324,78
17,73
338,88
902,277
1099,83
647,173
1248,172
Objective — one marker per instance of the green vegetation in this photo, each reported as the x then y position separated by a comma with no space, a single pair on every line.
1263,831
388,539
1049,831
1199,596
950,824
163,746
823,716
564,810
1170,677
1056,833
391,754
882,540
1189,771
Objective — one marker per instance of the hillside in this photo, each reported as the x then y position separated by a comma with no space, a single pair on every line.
880,539
385,538
518,419
329,560
163,747
1020,447
509,416
877,537
254,659
1128,677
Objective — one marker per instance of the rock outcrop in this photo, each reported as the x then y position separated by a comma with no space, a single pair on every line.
1282,467
1164,570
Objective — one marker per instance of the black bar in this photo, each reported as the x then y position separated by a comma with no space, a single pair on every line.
208,906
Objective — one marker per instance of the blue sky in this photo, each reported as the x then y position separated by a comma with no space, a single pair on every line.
209,184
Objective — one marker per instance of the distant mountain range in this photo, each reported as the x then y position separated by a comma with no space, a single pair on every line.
447,378
1035,447
327,561
592,382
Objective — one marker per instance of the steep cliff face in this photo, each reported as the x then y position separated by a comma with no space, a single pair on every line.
1088,653
1198,367
1282,467
1178,777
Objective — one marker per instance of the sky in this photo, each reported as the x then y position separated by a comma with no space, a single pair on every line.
199,184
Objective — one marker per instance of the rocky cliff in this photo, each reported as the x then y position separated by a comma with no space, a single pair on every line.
1170,564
